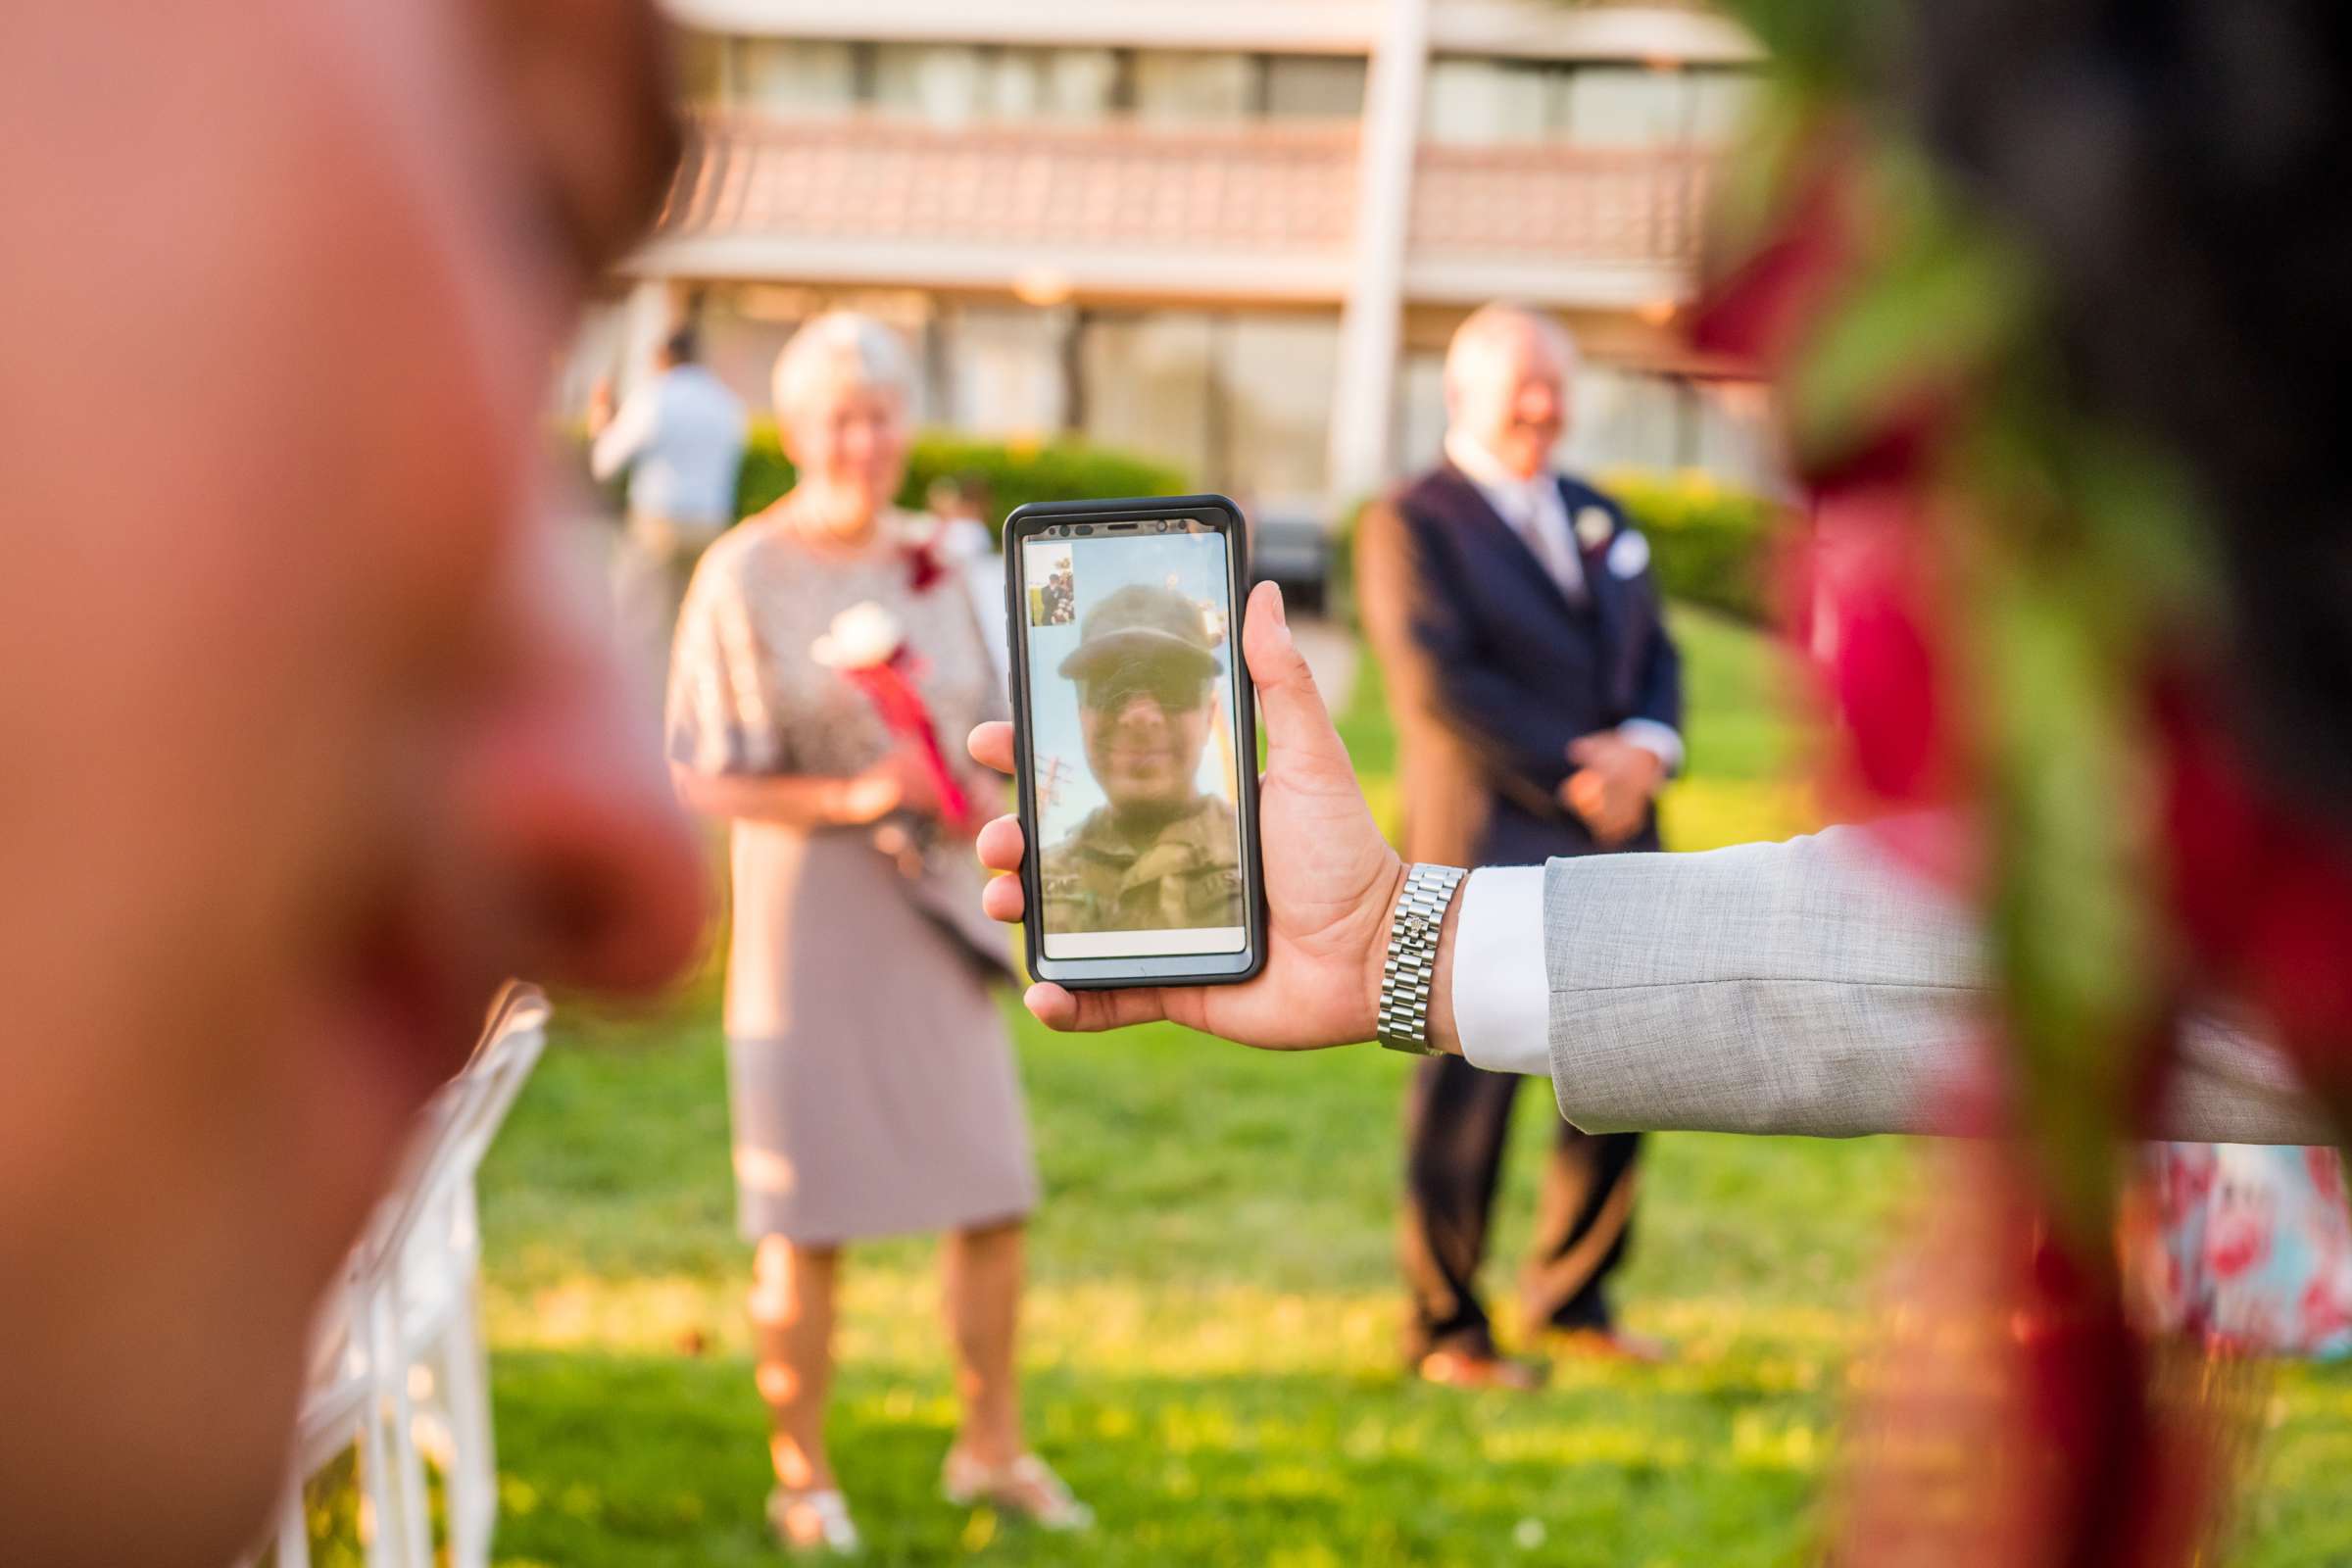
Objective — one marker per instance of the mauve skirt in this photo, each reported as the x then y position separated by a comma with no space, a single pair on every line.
870,1075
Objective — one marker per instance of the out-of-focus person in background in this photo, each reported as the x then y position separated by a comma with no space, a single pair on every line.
679,437
2246,1247
959,505
872,1079
1537,701
311,742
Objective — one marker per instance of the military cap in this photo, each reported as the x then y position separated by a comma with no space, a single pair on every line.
1139,622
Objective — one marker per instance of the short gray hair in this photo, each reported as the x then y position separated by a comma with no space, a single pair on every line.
1482,328
827,345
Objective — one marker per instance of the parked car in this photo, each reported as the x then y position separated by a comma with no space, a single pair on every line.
1292,549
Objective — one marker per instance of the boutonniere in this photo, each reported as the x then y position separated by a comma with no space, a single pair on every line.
1629,556
1593,528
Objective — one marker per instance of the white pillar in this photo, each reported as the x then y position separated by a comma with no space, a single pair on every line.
1363,401
651,314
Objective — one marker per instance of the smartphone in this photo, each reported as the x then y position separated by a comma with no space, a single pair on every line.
1136,742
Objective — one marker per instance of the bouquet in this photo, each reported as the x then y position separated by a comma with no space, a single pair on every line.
867,647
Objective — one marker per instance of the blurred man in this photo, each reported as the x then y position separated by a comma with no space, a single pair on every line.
1160,856
1538,699
679,438
307,747
967,545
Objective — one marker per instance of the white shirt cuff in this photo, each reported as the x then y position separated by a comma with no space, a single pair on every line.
1501,998
1656,739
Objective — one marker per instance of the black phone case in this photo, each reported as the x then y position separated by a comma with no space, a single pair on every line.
1106,974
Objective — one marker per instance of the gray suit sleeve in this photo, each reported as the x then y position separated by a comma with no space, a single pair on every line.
1809,986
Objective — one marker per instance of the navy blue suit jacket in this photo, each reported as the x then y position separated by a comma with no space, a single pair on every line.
1493,670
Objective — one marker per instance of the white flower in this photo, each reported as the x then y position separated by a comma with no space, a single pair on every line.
1630,555
1592,527
863,636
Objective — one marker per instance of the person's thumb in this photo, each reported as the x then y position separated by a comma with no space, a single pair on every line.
1299,728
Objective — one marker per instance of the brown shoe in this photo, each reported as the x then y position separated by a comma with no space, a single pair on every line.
1613,1344
1460,1369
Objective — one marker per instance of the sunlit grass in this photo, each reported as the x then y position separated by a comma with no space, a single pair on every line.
1210,1338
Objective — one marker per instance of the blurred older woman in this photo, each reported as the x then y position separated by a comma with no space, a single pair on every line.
872,1082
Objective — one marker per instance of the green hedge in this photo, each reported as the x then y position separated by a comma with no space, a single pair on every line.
1710,544
1015,472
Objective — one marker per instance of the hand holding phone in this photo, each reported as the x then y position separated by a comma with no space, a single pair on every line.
1137,742
1332,882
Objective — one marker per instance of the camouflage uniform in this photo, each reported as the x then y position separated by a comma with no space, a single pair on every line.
1187,878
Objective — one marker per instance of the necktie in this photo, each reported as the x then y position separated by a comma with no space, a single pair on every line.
1548,546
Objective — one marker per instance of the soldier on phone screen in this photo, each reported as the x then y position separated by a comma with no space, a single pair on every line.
1160,855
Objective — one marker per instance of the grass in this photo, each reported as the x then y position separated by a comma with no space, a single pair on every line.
1211,1334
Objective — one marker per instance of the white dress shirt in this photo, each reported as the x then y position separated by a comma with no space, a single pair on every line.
680,436
1535,510
1532,509
1501,998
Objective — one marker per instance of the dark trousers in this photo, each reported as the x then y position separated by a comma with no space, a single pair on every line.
1456,1118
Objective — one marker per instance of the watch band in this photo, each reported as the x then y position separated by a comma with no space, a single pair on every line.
1413,962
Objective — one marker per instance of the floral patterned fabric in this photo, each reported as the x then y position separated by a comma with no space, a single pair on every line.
2251,1251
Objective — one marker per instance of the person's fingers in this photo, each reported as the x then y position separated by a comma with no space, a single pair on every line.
1092,1011
1602,750
1003,899
1297,725
1588,796
991,746
1001,843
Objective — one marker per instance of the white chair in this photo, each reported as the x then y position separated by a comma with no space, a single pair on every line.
397,1348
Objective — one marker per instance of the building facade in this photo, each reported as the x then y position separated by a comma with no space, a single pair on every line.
1233,233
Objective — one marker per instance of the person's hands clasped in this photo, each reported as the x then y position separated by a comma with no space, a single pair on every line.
1331,878
1612,786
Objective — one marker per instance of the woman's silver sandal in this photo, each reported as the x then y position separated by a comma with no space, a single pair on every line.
812,1521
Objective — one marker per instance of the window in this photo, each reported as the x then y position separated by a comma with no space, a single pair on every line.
787,75
1241,402
1314,87
1057,83
1489,102
1275,377
1723,103
1145,381
957,85
1481,102
1623,420
1420,412
947,84
1184,86
1002,369
1624,106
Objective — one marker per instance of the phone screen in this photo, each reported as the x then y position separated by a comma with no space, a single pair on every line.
1135,763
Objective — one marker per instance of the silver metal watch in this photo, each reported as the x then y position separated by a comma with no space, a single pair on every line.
1413,962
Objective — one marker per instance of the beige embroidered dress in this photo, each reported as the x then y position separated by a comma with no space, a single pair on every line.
870,1075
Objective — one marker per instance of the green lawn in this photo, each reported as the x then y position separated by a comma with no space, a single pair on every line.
1210,1334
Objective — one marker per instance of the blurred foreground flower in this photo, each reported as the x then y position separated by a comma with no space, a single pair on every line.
1981,245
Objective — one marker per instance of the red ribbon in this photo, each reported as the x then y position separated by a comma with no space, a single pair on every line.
889,687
